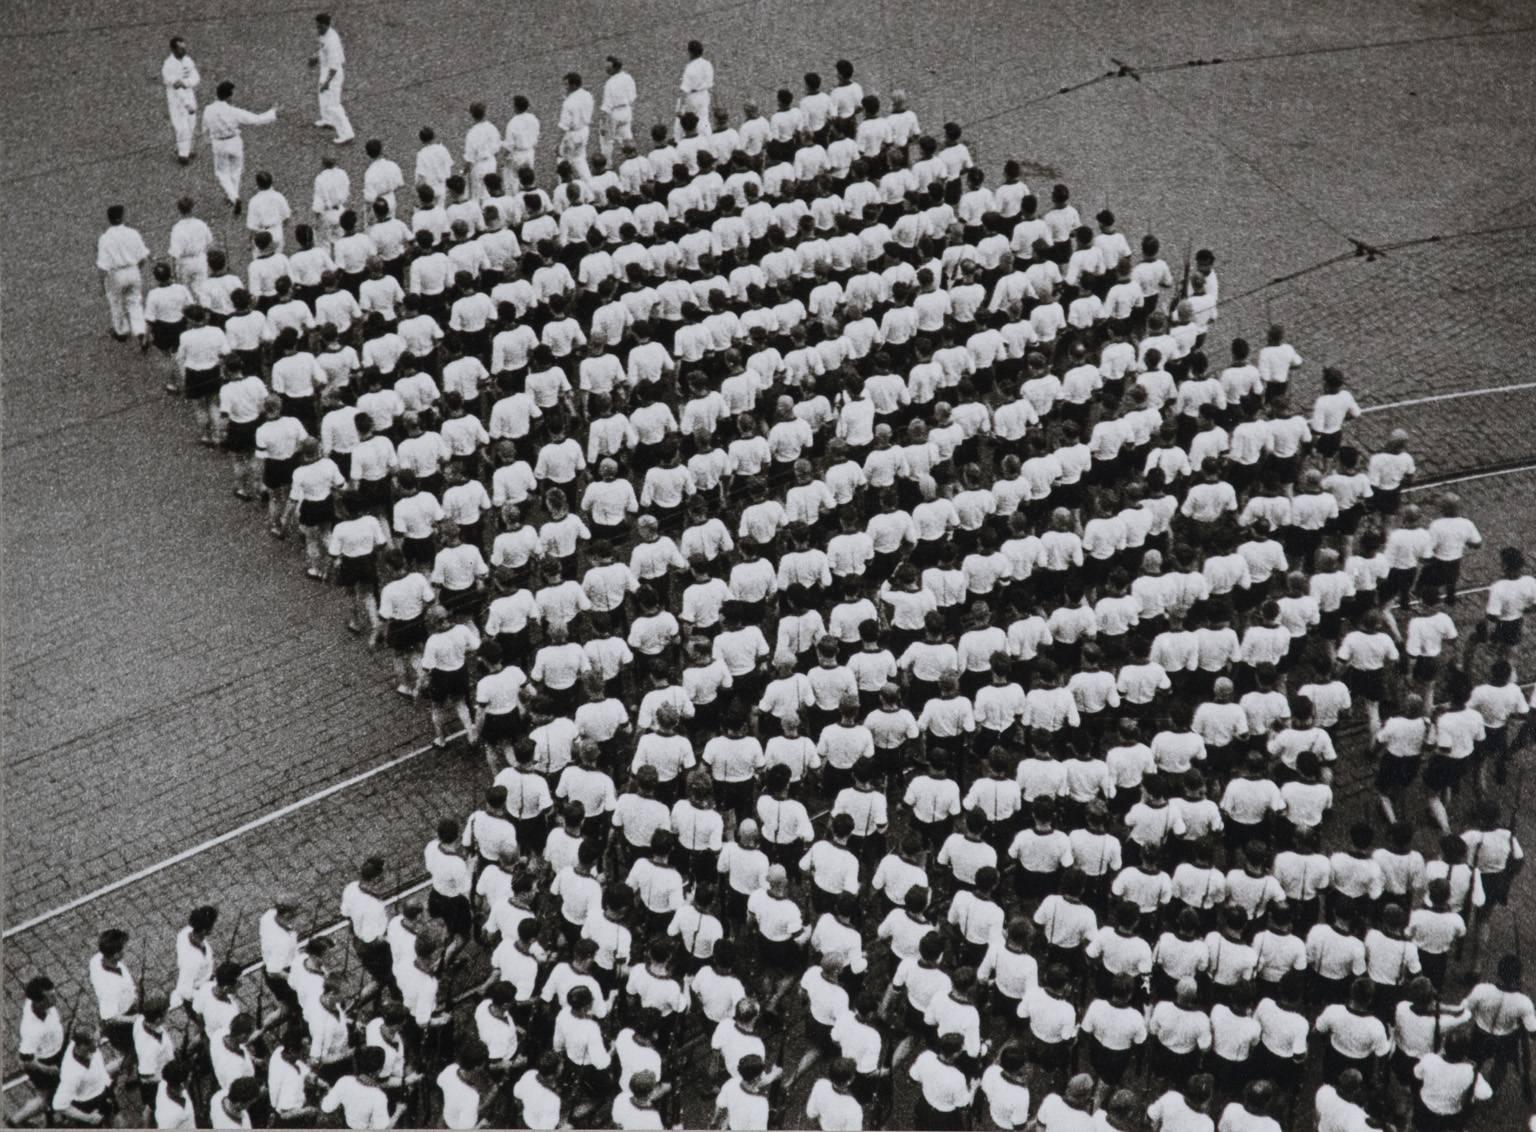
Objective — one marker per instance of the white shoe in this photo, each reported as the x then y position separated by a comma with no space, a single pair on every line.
323,125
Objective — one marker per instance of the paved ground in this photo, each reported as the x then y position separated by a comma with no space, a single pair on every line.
170,674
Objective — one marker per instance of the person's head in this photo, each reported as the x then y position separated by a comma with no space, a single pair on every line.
242,1093
368,1061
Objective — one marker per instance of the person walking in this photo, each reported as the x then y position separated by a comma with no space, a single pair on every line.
222,122
331,58
120,256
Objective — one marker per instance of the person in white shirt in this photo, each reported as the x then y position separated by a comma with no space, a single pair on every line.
1450,534
945,1091
1448,1085
382,179
330,61
179,76
694,91
120,256
222,123
576,125
617,126
230,1106
833,1103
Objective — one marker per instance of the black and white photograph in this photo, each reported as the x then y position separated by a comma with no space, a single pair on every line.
768,564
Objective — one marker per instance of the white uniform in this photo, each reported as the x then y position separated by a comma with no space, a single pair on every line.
482,145
333,63
181,78
222,123
576,130
190,241
522,140
119,252
333,189
698,82
382,179
618,124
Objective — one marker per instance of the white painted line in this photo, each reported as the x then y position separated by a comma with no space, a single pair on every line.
1448,397
221,839
1468,479
15,1082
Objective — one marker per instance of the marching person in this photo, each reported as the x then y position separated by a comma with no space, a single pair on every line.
576,125
331,59
482,145
179,75
120,256
694,90
40,1047
222,122
617,126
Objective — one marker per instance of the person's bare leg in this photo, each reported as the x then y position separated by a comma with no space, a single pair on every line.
1437,812
810,1058
33,1108
277,501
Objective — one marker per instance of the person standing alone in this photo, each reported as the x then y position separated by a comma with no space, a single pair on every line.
179,74
331,59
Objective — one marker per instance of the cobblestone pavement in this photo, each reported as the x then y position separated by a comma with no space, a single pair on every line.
169,672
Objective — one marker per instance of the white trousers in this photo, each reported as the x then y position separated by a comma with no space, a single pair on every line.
698,102
477,176
192,270
327,226
331,112
125,299
573,148
516,159
615,129
183,121
229,166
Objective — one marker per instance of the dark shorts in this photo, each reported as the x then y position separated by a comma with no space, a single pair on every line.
500,728
201,384
421,551
317,512
44,1073
784,956
1496,888
448,686
1505,632
277,474
358,571
1443,773
1396,773
1110,1065
1367,685
372,493
240,437
166,335
1425,669
406,635
454,911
